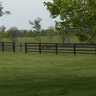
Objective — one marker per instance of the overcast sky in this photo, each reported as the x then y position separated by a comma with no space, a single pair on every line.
24,10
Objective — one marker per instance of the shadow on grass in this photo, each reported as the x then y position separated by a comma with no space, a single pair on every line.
48,85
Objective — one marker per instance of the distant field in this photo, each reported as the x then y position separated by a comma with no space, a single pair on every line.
47,75
55,39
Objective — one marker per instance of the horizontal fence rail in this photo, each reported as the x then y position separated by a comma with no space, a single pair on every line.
7,46
61,48
56,48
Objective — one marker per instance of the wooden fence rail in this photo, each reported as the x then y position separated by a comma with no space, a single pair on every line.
57,48
7,46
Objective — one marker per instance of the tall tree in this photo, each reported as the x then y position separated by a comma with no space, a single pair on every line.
76,15
36,26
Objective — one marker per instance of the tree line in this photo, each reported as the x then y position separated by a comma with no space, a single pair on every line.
13,33
77,17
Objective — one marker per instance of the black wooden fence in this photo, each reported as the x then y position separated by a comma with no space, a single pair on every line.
57,48
7,46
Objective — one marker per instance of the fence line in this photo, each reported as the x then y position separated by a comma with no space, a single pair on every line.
7,46
71,48
56,48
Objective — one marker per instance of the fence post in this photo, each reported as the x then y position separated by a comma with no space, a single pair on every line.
56,48
74,49
40,48
3,46
95,48
20,47
13,46
25,47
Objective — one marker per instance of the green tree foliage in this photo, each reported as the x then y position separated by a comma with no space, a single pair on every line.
36,26
1,10
2,31
43,32
76,15
51,32
12,33
30,33
2,28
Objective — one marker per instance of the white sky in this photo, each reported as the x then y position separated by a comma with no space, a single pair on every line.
24,10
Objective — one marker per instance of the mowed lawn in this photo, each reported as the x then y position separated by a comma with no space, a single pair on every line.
47,75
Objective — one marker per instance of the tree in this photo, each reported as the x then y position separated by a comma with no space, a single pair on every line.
2,13
76,15
36,26
30,33
1,10
13,33
43,32
51,33
63,31
2,28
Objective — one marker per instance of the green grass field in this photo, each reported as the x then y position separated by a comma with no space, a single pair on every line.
55,39
47,75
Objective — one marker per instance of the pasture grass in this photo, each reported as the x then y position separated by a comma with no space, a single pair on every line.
47,75
55,39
